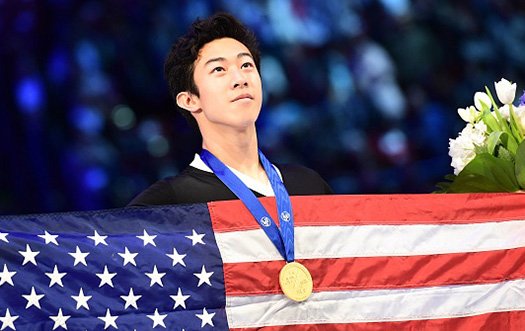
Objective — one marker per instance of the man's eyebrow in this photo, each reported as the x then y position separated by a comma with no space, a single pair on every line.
244,54
221,59
215,59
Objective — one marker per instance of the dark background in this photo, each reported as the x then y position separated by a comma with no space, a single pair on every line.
365,92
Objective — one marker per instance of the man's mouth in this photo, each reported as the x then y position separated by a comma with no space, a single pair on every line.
243,96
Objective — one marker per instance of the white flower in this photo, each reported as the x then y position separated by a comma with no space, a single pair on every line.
504,111
478,134
459,154
462,149
469,114
506,91
520,116
518,111
482,99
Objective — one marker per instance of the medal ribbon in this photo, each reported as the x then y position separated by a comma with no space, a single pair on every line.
282,239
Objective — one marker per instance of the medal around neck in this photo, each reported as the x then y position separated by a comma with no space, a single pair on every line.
294,278
296,281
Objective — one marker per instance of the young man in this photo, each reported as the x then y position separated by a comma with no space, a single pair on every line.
213,75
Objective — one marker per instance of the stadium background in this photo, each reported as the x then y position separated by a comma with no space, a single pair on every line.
365,92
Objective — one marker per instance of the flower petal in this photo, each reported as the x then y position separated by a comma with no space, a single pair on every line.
482,101
506,91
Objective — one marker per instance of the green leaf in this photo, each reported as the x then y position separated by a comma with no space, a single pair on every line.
443,186
519,166
509,142
491,123
512,130
503,124
500,118
492,141
504,154
485,173
516,128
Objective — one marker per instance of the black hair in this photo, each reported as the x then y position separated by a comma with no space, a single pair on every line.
180,63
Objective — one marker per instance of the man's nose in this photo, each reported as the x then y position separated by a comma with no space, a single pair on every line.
238,78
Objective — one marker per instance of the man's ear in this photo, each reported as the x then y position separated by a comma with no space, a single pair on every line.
188,101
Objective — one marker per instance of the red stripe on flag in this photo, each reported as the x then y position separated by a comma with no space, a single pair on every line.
507,321
382,272
378,209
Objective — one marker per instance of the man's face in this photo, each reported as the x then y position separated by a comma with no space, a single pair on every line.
229,85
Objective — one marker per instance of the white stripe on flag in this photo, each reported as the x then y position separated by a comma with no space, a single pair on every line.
375,240
377,305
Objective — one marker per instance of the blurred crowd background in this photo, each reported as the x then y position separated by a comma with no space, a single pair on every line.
364,91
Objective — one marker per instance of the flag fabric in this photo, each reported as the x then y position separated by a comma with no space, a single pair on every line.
131,269
378,262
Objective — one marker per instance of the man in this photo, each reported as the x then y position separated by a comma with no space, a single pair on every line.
213,75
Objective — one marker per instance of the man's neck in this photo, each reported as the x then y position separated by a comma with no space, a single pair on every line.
237,149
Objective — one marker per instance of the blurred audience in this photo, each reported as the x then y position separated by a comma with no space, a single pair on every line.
365,92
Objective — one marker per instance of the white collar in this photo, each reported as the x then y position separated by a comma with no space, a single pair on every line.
262,188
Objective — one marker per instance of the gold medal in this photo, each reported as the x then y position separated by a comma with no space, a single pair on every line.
296,281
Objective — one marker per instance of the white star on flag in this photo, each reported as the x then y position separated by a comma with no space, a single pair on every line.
49,238
177,258
128,257
33,299
3,237
148,239
205,318
8,320
81,299
55,277
105,277
29,255
80,257
60,320
131,299
196,238
6,276
157,318
98,239
180,299
204,277
109,320
155,276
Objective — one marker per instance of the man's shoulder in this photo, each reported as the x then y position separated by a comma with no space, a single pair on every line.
190,176
165,191
295,169
191,185
301,180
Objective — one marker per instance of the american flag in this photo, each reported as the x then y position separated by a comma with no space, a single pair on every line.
379,262
126,269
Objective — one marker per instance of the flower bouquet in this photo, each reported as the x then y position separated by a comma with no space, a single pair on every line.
489,153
